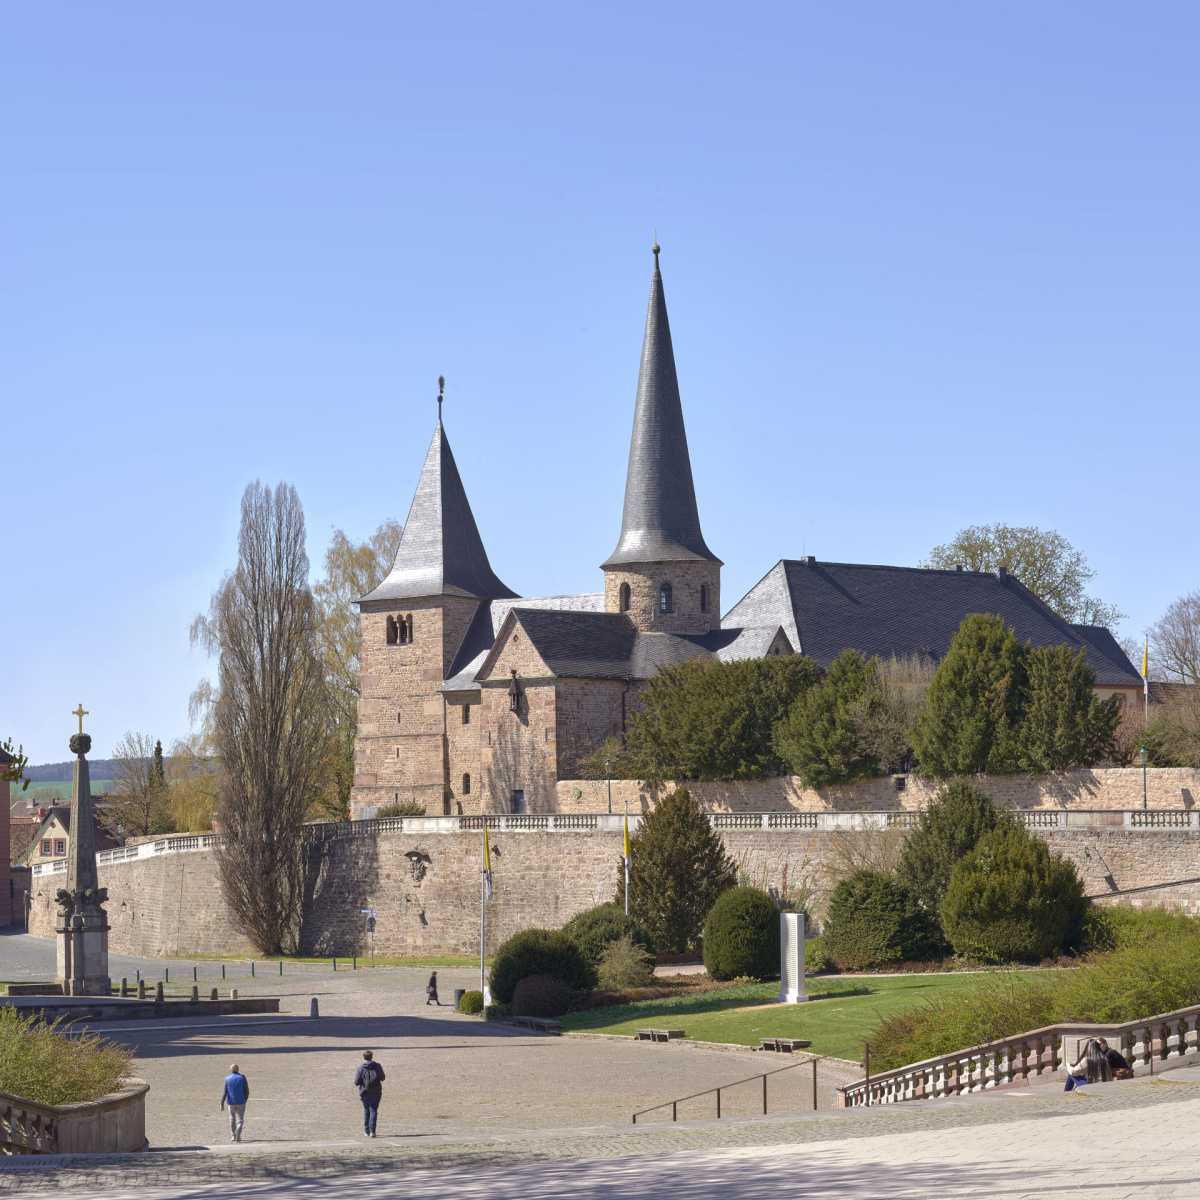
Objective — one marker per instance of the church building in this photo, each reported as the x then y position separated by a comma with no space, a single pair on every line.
474,699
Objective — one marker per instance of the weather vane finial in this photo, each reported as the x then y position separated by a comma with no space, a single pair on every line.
441,395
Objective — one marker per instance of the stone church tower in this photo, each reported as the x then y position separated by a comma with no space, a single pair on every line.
662,575
412,626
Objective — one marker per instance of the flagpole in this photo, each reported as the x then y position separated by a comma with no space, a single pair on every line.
1146,682
626,855
483,913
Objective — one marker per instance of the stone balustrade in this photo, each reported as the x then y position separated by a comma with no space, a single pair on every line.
112,1124
1024,1056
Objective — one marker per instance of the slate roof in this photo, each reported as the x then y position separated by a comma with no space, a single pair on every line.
441,552
828,607
660,521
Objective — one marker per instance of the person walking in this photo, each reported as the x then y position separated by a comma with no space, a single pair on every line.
369,1081
431,996
235,1092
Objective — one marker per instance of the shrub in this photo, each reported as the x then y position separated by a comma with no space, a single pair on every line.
973,707
822,736
874,919
471,1003
1065,724
541,996
402,808
1012,900
816,957
595,929
678,868
40,1063
625,964
958,816
705,719
741,936
539,952
497,1012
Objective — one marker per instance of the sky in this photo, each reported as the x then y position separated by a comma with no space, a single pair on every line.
927,265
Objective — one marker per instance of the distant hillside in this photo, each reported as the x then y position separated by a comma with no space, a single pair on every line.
60,772
48,791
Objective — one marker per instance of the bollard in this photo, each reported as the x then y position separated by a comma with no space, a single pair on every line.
141,989
195,975
213,995
195,993
222,970
233,993
281,968
158,992
166,974
252,968
354,963
138,973
335,964
313,1008
124,986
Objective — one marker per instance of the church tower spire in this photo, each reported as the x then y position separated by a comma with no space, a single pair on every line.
662,572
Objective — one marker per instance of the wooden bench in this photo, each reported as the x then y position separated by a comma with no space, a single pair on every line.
784,1045
539,1024
660,1035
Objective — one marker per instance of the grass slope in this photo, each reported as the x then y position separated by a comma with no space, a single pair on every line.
838,1018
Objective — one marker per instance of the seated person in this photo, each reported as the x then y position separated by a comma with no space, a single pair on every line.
1117,1062
1091,1067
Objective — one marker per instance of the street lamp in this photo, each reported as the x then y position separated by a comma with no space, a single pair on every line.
1144,755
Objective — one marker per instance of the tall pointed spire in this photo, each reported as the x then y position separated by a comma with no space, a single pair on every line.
441,552
660,522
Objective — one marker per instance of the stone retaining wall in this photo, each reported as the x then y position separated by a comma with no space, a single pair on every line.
1103,787
424,885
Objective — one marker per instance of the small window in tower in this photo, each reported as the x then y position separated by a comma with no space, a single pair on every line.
466,787
393,631
409,623
664,598
623,601
704,597
466,714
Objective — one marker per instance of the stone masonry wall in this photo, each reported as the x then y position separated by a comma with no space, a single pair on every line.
425,887
1109,787
685,578
8,912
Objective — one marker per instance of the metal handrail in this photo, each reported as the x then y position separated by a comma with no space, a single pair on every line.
674,1104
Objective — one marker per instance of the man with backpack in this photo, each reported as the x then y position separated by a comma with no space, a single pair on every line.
369,1081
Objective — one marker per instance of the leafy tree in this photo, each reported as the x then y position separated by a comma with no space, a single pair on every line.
1011,900
1064,724
705,719
678,868
269,715
947,830
1175,641
821,737
873,919
13,761
193,785
1042,559
741,936
351,571
973,709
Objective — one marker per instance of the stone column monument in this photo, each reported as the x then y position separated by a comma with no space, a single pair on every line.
83,924
791,958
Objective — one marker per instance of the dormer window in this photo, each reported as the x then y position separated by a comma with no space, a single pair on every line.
665,602
704,597
623,598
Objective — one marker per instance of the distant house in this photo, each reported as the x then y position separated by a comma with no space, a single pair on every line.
52,837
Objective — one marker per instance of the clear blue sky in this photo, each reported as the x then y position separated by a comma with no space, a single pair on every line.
928,264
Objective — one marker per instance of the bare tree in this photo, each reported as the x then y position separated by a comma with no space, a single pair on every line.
1175,641
138,806
351,571
268,716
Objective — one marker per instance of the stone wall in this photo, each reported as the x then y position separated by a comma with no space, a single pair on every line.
1109,787
425,886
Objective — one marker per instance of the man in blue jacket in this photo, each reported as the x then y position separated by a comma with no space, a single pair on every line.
235,1092
369,1080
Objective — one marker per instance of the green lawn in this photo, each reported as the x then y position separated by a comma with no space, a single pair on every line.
838,1017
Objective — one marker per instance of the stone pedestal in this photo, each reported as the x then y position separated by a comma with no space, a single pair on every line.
791,958
83,958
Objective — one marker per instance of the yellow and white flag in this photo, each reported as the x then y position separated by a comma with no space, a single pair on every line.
487,865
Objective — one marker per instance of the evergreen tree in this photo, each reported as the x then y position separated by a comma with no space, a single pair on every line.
705,719
158,774
1065,723
821,738
973,710
947,830
678,868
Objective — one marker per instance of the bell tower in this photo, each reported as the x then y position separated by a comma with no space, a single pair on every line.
662,573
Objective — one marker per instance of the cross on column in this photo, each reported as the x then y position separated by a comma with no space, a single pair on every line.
80,712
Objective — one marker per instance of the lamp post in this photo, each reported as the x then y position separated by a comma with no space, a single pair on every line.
1144,755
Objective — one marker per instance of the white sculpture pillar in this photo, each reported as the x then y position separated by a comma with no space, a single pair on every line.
791,958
